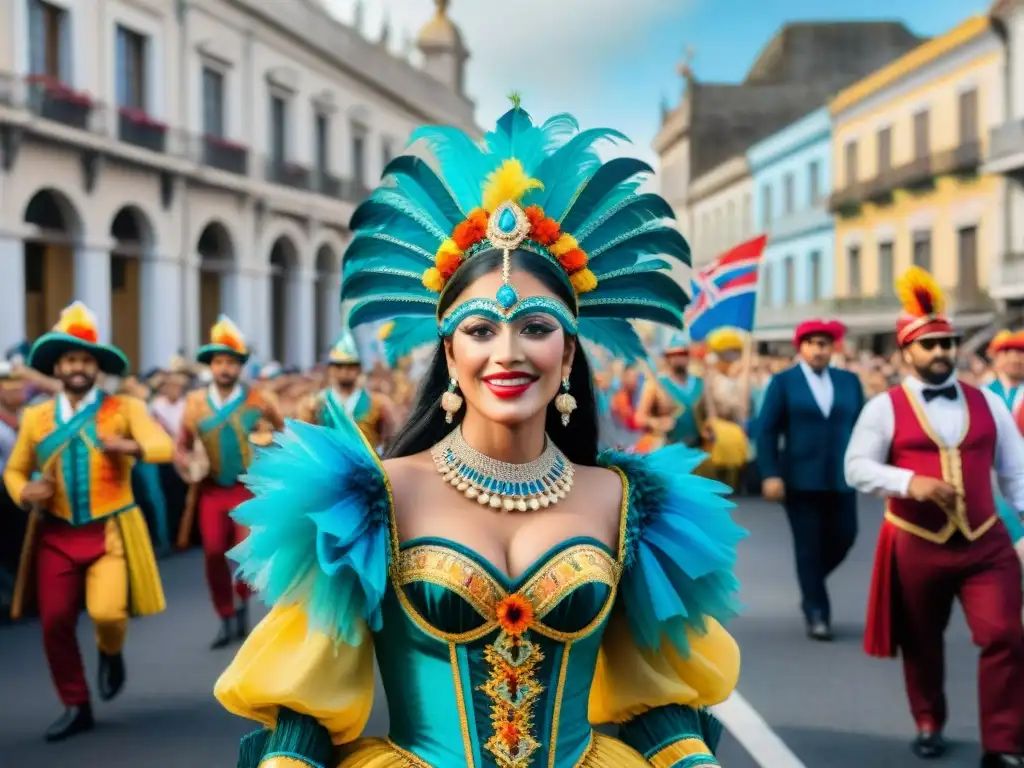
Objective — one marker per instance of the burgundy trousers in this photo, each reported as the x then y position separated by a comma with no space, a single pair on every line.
219,534
985,576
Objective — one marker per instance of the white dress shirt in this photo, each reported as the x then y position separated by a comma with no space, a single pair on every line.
219,403
821,387
868,450
67,410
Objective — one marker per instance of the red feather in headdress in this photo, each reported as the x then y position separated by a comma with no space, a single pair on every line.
919,294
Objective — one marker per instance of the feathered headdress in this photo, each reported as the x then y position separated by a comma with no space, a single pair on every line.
540,188
923,308
226,338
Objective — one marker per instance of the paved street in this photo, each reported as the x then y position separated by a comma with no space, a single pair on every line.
830,704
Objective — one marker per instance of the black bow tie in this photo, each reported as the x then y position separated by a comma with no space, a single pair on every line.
948,392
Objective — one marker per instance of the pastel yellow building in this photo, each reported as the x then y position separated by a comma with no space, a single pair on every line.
908,141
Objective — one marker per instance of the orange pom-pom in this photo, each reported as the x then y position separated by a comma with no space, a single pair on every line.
546,232
535,215
478,218
573,261
432,280
464,235
447,262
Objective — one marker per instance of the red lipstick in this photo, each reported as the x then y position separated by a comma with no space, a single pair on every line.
509,384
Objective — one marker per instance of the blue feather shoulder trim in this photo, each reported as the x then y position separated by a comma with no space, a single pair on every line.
680,547
318,528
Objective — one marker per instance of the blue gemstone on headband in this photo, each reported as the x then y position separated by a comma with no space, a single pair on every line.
507,296
507,221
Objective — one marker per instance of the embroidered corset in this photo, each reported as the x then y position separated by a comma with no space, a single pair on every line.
471,680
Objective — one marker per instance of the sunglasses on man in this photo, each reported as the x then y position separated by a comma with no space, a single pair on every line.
945,344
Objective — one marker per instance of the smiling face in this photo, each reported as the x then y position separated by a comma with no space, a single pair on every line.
77,371
508,373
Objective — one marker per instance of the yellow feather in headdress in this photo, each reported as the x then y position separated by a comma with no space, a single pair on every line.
919,294
508,182
999,339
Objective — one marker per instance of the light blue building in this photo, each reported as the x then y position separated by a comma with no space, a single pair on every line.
792,175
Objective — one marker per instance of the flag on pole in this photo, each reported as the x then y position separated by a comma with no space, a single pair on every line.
725,292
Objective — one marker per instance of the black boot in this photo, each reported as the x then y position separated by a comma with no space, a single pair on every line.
74,720
242,621
818,629
928,746
111,676
224,635
996,760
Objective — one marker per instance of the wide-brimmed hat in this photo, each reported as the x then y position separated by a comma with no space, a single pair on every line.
76,330
225,339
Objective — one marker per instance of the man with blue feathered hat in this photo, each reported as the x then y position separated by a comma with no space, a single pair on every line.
72,463
670,408
342,398
223,417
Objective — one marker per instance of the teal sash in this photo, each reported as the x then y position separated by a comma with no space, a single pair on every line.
229,441
332,408
74,438
687,395
1007,396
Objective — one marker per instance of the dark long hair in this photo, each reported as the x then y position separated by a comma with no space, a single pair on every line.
426,424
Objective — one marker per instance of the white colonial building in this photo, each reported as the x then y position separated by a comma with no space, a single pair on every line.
719,205
166,160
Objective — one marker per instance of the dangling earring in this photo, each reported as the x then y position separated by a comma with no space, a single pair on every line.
565,403
451,401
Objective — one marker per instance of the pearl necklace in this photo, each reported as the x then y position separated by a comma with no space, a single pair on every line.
498,484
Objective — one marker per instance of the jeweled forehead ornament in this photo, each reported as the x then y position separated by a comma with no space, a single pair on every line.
507,228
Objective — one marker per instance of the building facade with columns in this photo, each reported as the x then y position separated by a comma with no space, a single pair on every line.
791,170
908,142
164,161
1006,157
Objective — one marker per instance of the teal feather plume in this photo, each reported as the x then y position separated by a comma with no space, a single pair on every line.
386,307
560,187
416,171
603,183
617,336
628,216
366,283
386,205
318,528
369,245
406,335
463,161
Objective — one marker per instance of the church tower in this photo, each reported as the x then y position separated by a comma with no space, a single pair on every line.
444,52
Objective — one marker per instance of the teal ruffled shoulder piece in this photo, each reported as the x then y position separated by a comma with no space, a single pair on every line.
319,528
680,547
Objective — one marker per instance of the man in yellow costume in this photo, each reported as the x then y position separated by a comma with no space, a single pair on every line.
72,461
227,418
344,398
727,408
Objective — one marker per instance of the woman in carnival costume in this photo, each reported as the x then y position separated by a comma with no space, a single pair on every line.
516,587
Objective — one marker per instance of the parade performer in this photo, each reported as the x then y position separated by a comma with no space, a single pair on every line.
223,417
1007,351
502,632
930,445
811,409
87,534
668,407
344,399
727,443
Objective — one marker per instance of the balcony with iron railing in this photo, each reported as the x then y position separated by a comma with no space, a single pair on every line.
137,127
225,155
288,173
53,100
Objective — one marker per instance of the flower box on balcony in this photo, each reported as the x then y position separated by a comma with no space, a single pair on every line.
56,101
225,154
138,128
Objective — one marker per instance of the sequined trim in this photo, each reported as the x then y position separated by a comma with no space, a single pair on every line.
513,689
575,566
452,570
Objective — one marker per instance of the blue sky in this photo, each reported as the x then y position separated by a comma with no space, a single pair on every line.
610,62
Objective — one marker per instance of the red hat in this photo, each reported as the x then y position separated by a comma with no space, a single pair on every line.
1006,340
923,307
817,327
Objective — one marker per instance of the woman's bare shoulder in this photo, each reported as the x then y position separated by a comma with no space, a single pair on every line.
406,473
601,487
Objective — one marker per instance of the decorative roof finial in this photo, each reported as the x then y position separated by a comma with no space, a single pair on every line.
442,7
685,67
359,16
385,31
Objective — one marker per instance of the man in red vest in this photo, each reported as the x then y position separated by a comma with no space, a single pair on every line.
929,446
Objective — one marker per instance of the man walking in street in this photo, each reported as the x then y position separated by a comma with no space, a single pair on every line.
73,460
811,408
225,417
929,446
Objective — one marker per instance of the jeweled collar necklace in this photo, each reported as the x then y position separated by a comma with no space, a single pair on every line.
501,485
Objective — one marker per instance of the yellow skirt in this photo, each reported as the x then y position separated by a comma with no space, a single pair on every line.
604,752
731,449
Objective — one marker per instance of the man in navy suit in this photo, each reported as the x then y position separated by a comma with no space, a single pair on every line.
811,409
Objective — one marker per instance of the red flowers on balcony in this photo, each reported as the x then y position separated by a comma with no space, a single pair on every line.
141,118
54,89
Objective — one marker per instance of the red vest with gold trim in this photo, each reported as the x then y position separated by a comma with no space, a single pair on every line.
966,466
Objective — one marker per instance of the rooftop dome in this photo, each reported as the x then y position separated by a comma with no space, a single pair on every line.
440,32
